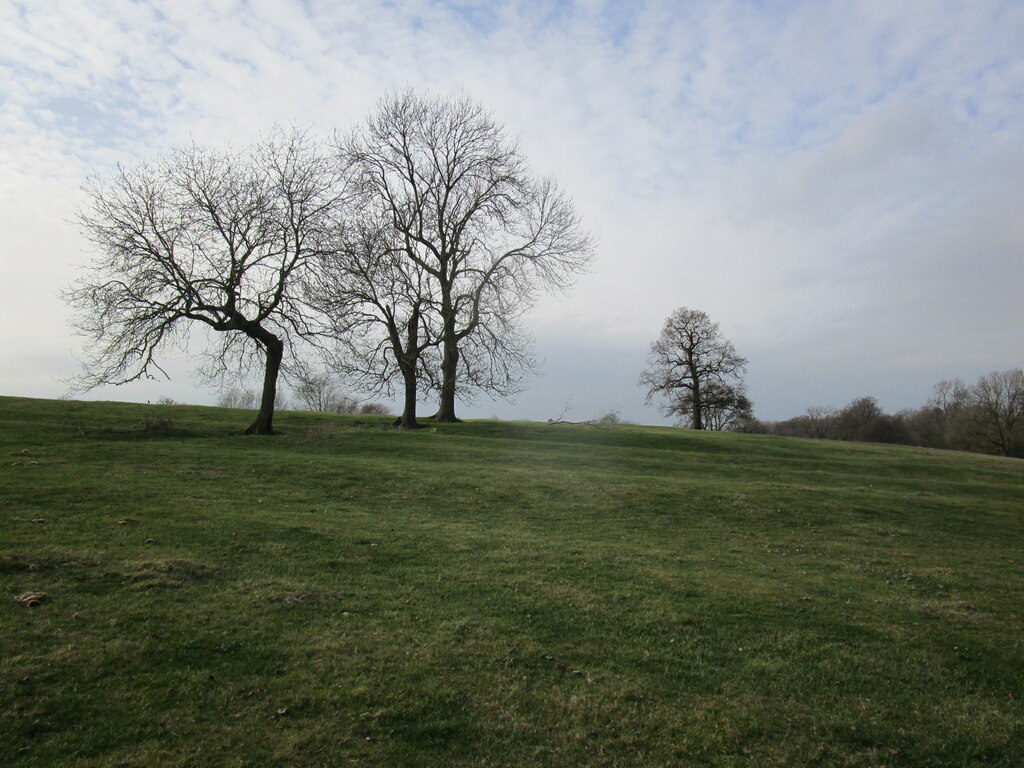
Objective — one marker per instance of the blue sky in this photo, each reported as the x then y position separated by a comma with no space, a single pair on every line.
838,184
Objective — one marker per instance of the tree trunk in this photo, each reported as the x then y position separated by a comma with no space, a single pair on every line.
449,374
264,423
698,415
407,360
697,405
408,418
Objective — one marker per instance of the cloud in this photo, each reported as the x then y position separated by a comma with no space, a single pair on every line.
831,181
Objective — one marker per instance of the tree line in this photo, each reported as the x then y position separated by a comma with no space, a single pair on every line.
984,417
400,255
319,393
696,375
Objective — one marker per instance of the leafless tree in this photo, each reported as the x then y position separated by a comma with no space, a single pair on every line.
998,399
248,399
820,421
949,396
945,421
214,238
236,397
378,301
726,406
318,391
690,365
485,234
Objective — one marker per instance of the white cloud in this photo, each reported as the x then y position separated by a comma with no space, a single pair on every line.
829,180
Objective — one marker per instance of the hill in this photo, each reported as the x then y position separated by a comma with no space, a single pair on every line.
500,594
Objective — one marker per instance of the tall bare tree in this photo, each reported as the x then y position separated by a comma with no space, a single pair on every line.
378,302
466,212
214,238
692,366
998,400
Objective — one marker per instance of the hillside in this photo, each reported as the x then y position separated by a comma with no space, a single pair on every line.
499,594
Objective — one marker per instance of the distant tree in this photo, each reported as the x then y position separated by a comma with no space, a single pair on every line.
318,391
236,397
314,390
951,415
886,428
247,399
281,401
924,427
998,401
753,426
465,212
820,422
373,409
694,369
214,238
949,396
608,417
726,406
794,427
854,422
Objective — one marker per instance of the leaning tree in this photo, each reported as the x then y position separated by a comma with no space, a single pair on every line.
696,371
218,239
471,219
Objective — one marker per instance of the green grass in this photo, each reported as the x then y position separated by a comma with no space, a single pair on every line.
498,594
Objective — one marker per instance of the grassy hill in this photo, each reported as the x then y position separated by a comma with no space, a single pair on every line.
498,594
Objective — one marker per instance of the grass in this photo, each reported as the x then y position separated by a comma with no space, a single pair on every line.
498,594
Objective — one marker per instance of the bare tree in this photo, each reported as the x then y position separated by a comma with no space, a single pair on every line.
691,365
236,397
820,421
723,405
318,390
726,406
949,396
466,212
998,399
378,302
945,421
215,238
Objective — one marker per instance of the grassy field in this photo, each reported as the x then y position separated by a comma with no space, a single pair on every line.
498,594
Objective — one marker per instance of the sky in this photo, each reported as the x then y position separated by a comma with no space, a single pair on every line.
838,183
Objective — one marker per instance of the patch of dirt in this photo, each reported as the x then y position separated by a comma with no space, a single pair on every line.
306,596
163,574
31,599
12,563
